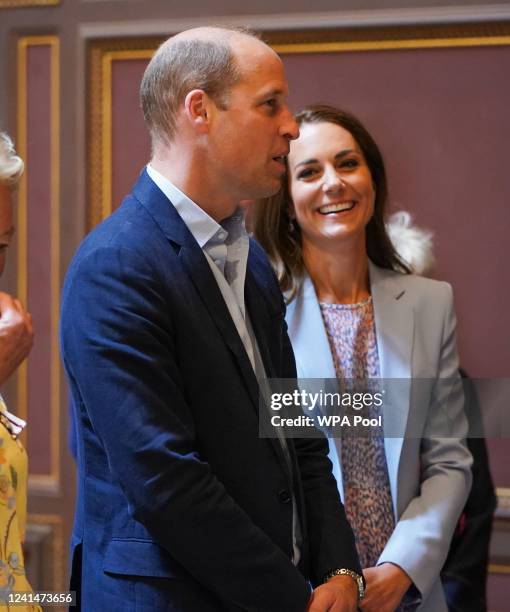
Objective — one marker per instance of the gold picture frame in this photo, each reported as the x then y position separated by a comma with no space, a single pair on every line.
25,3
47,482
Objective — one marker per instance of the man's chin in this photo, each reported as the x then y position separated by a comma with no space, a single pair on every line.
268,190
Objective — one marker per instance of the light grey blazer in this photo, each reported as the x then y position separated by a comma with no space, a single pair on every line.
430,477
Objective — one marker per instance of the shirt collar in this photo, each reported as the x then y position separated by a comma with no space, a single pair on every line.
200,224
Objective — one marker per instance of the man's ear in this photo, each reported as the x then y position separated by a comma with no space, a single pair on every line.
196,109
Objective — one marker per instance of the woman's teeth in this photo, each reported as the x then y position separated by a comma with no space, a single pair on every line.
333,208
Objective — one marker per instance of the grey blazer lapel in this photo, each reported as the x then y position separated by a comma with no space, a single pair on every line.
309,338
394,326
313,353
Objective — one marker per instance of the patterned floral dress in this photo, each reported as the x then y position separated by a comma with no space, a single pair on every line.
13,502
351,333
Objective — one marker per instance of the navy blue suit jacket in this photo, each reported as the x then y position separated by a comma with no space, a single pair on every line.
181,505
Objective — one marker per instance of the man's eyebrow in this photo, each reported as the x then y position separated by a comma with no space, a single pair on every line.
9,233
276,91
339,155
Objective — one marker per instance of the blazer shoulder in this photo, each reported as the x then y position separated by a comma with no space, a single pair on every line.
418,289
431,301
427,290
129,227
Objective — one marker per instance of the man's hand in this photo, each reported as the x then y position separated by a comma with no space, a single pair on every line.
338,594
16,335
386,584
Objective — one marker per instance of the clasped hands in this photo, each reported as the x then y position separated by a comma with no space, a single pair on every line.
16,335
386,585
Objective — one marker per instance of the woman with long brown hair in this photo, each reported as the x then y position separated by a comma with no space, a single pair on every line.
355,312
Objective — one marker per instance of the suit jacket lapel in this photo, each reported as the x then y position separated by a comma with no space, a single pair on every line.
313,354
309,338
202,277
261,325
259,315
394,325
199,271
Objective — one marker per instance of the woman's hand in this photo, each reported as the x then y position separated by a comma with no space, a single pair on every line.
386,584
16,335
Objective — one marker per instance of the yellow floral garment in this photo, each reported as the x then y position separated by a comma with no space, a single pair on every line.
13,504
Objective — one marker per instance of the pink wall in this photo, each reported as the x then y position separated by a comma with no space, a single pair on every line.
130,141
440,118
39,256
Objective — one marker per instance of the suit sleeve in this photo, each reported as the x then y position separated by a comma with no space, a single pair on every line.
117,345
421,539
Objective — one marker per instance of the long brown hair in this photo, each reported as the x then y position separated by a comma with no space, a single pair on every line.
280,236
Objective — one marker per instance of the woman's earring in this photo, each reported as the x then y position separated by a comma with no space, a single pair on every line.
292,225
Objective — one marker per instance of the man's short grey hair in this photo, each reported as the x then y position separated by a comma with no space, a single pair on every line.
414,245
11,166
180,66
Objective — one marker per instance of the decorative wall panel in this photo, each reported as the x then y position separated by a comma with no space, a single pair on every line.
436,100
38,250
25,3
45,553
118,144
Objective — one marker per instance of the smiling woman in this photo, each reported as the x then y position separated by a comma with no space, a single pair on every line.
354,312
333,193
333,157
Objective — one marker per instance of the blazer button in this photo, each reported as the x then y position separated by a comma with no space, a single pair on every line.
284,496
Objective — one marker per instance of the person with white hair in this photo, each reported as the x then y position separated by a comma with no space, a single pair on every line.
16,338
15,323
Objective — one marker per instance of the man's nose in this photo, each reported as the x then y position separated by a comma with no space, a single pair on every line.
289,128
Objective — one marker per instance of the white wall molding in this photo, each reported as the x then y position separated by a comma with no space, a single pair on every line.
298,21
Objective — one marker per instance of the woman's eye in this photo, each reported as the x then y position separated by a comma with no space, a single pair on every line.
305,173
349,163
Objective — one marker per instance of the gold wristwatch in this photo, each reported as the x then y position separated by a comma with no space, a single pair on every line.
353,575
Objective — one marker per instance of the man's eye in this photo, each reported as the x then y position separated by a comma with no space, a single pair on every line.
272,104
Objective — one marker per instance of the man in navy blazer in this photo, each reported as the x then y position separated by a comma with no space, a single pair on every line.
169,314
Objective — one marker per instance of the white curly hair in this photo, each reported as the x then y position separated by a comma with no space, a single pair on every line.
414,245
11,165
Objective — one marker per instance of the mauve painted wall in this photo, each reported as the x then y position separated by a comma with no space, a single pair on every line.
440,118
130,140
39,256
